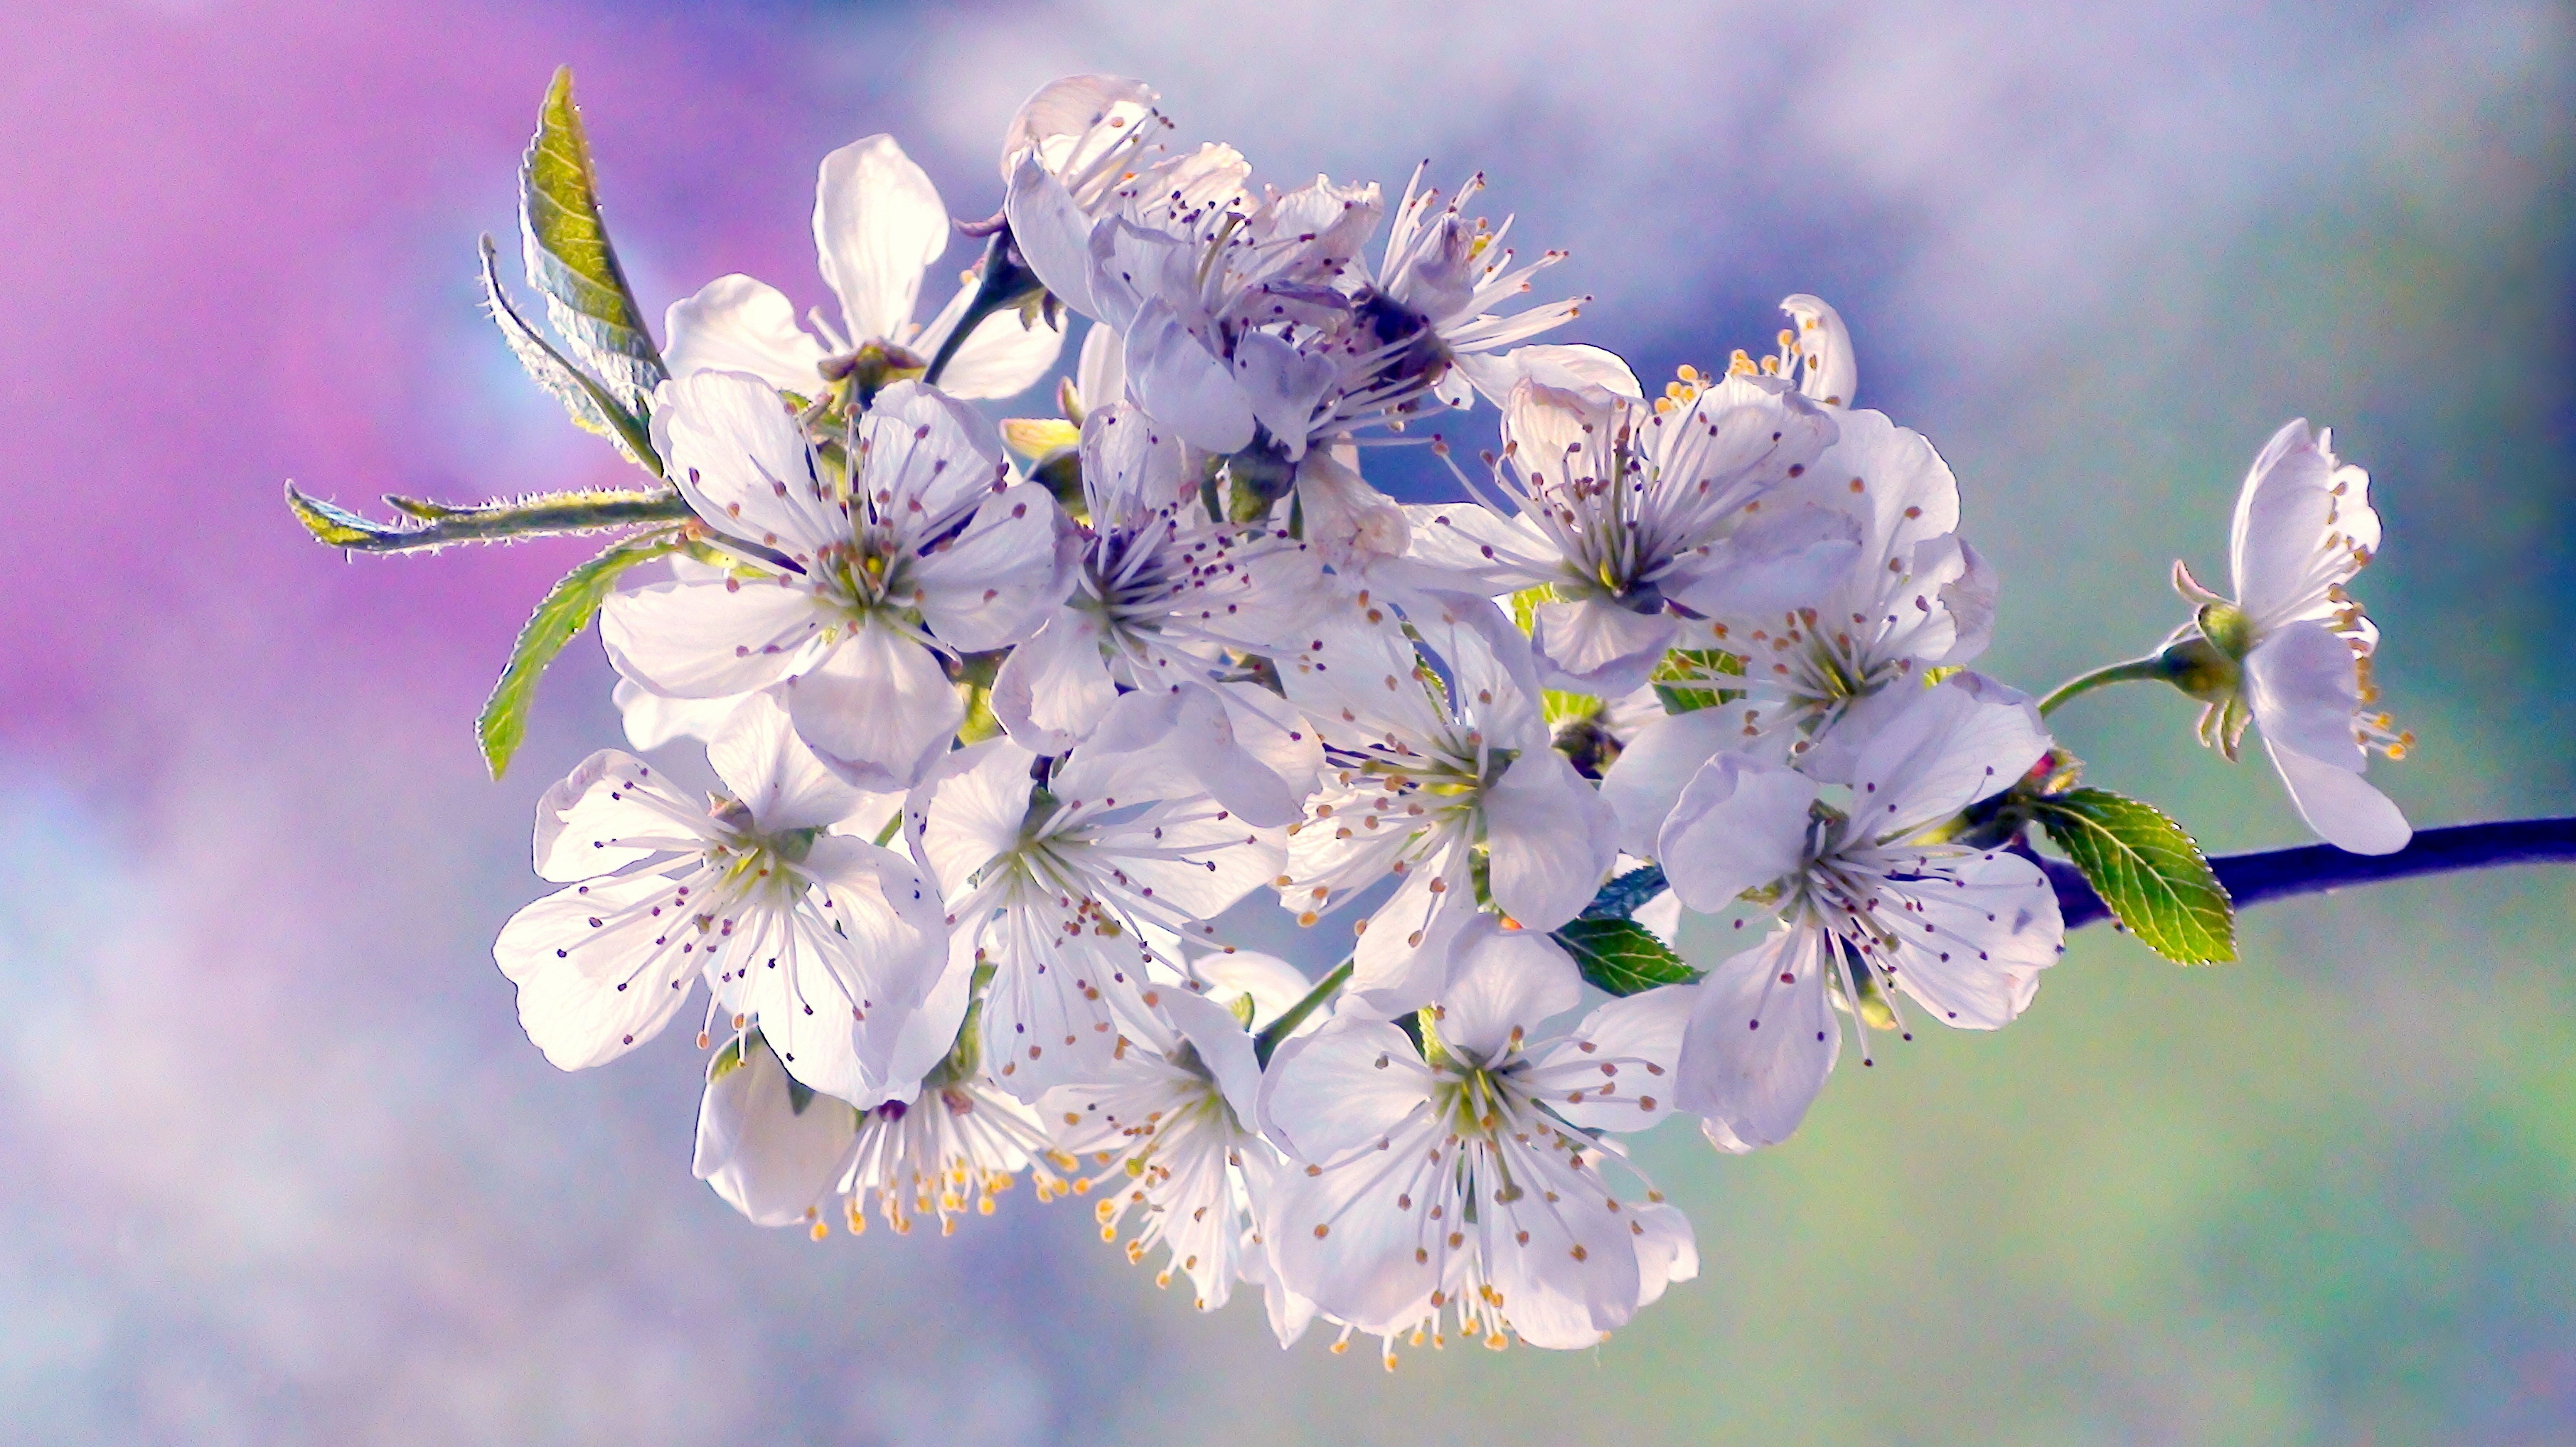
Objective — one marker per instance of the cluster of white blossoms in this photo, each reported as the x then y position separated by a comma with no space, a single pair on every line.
1004,733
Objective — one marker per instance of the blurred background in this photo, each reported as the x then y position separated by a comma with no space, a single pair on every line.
282,1169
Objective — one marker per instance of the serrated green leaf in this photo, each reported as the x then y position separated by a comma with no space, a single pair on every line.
570,261
1525,605
2147,870
559,619
1622,956
590,405
1681,677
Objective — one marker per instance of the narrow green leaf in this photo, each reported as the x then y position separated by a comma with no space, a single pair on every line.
333,526
1681,679
2147,870
567,610
435,525
1622,956
590,405
569,259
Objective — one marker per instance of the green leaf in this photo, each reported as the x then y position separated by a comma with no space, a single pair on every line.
590,405
2147,870
567,610
570,261
1681,678
335,526
1623,956
435,525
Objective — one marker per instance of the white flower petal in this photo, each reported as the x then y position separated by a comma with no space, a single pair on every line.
589,821
653,719
1000,358
1972,948
1053,689
1178,381
2304,688
1503,984
1646,1027
878,224
1599,647
2344,808
1757,1050
878,710
768,1159
1657,764
736,324
1002,576
737,455
708,639
1550,839
1941,750
1052,234
1741,824
590,992
1830,371
1283,385
767,767
1100,374
1327,1098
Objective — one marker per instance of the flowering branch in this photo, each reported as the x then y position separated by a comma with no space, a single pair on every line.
1174,648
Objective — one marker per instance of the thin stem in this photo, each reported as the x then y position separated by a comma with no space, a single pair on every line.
1002,283
2271,874
438,525
2263,875
1286,1025
2135,670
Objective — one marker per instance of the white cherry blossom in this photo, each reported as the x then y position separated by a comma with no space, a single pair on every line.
826,940
1065,876
1626,510
1463,1182
878,225
1165,601
1439,770
1834,636
1164,1129
2291,654
1869,904
849,595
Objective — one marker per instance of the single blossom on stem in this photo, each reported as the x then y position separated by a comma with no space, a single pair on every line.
1464,1181
847,593
1870,902
824,939
1628,514
1164,1129
878,224
2291,653
1439,770
1068,877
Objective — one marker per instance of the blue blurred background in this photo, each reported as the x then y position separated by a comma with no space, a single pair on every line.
281,1168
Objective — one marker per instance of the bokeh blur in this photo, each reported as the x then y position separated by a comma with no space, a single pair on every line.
281,1168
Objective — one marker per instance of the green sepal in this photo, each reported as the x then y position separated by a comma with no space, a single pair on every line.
570,261
590,405
1681,679
2147,870
1621,956
559,619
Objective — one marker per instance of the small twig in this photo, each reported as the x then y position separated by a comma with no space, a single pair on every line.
2264,875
